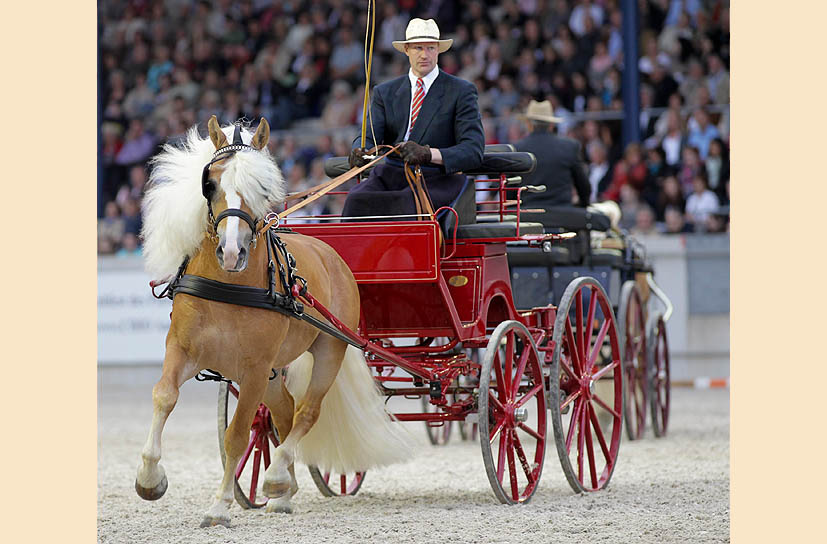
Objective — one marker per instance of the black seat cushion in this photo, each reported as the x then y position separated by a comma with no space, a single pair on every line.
607,257
497,230
571,218
522,256
499,148
508,163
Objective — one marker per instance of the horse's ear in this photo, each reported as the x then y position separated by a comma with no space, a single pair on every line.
219,139
262,135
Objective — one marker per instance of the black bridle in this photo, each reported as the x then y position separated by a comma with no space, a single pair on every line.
207,188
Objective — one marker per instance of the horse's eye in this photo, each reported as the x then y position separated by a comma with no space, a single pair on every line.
209,188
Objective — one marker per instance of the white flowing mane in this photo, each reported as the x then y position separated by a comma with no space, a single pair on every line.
174,209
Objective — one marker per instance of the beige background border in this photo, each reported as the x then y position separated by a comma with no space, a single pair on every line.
778,301
49,438
49,273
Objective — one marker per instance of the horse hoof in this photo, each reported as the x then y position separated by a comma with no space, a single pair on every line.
154,493
275,489
210,521
277,506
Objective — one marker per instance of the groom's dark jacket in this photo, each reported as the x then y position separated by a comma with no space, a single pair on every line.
449,120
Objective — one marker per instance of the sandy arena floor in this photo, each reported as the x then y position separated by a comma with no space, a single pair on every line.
674,489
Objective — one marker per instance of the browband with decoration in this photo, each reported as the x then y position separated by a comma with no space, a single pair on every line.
237,145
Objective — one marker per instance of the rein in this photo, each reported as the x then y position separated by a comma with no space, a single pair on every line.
322,189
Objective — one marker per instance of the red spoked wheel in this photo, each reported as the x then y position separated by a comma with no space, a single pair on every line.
337,485
438,433
660,384
587,399
264,440
633,336
512,413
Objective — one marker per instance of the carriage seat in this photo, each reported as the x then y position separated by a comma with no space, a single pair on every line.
523,256
497,230
570,218
607,257
493,163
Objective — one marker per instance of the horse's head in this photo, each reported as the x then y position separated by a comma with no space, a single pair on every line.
223,181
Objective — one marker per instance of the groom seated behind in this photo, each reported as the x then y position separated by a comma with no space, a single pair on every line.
437,117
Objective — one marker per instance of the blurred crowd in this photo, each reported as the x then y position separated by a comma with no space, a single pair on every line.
166,65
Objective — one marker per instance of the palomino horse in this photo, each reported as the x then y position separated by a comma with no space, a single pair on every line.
350,431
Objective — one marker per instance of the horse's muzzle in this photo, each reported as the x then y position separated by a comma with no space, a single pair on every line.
232,261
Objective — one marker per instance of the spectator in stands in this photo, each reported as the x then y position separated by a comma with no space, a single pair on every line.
599,170
690,166
670,196
347,58
583,10
111,227
135,189
137,146
630,205
132,216
676,222
130,245
629,170
702,133
644,223
693,80
340,108
559,162
718,80
717,166
701,203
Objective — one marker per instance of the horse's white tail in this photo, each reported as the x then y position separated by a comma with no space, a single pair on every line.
353,432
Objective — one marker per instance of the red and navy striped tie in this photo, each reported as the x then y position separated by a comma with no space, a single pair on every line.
419,96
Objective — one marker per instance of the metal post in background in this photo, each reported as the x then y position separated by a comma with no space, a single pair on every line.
630,79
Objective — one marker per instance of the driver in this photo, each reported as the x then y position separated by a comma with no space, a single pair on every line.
437,117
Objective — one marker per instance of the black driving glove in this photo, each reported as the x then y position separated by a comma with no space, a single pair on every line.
355,159
413,153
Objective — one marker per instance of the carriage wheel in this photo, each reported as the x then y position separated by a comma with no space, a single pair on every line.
263,441
512,413
440,433
337,485
587,398
660,384
633,336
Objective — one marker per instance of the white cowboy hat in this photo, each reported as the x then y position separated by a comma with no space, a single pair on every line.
541,111
420,31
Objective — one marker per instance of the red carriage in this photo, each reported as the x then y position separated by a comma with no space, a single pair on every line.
439,323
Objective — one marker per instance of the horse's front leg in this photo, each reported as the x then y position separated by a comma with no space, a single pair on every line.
151,481
236,439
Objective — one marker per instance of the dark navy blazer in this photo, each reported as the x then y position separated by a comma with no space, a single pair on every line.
449,120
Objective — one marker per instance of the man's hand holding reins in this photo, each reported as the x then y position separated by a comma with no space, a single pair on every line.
356,157
414,154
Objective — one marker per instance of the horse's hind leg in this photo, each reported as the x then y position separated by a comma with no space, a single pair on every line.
328,354
281,404
151,481
236,439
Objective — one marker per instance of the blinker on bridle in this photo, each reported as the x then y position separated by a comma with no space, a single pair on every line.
221,154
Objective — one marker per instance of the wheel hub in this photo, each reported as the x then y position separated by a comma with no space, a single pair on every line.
521,414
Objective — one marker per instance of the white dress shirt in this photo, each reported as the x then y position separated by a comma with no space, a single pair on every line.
427,81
